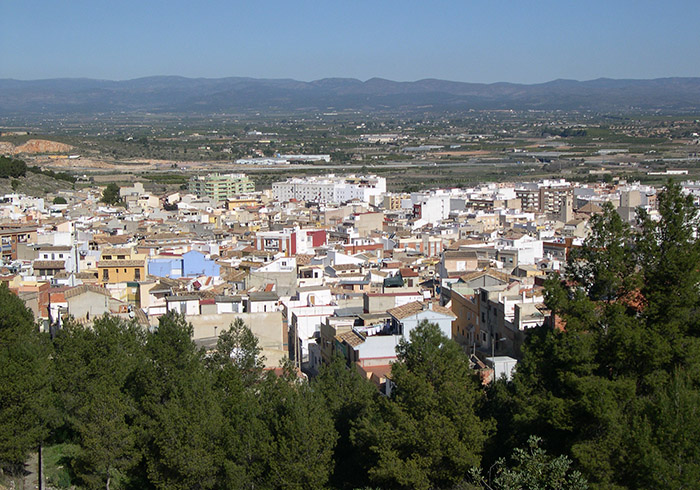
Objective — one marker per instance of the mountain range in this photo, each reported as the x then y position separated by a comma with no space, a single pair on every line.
172,94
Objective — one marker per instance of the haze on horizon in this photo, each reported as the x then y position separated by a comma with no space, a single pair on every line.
476,41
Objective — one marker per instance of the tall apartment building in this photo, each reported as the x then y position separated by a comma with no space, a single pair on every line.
529,199
554,198
545,197
221,186
330,188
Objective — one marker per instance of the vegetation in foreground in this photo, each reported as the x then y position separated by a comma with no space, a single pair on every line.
609,401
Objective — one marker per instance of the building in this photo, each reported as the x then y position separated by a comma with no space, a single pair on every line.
548,196
10,236
330,189
119,265
220,187
372,346
189,264
290,241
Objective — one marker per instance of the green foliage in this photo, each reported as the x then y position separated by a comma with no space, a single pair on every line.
57,458
237,350
65,176
349,398
180,413
111,194
245,439
94,368
608,391
59,200
302,437
534,469
12,168
427,434
167,178
670,254
24,372
565,133
606,265
666,436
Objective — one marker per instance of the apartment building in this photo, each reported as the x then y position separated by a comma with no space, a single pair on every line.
330,188
220,187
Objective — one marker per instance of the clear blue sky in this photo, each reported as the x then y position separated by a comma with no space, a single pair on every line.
466,40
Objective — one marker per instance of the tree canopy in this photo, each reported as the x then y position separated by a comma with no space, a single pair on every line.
24,374
12,167
596,389
110,195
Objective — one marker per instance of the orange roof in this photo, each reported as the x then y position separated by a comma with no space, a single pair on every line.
57,297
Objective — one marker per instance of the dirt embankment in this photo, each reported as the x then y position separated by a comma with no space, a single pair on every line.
34,147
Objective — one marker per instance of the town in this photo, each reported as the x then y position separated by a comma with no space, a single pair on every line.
339,302
348,246
316,266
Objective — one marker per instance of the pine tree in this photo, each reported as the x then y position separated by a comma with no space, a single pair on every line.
427,434
94,368
180,412
25,400
349,398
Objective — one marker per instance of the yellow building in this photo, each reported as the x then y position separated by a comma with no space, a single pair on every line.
121,265
125,270
242,202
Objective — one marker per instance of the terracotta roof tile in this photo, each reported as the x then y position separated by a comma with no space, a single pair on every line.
85,288
352,338
304,259
411,309
49,264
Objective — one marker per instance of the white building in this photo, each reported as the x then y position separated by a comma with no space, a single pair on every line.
431,208
330,188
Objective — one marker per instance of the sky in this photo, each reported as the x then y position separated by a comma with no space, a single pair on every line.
486,41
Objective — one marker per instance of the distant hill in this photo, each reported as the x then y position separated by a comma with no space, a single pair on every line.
244,95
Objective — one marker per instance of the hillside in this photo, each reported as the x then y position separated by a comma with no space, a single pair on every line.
34,146
37,185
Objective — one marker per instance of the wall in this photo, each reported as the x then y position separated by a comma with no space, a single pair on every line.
89,302
379,346
196,264
445,323
171,268
267,327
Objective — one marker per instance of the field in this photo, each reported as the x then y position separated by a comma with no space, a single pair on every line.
436,151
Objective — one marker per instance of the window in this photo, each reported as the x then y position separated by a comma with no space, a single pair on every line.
137,274
105,274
